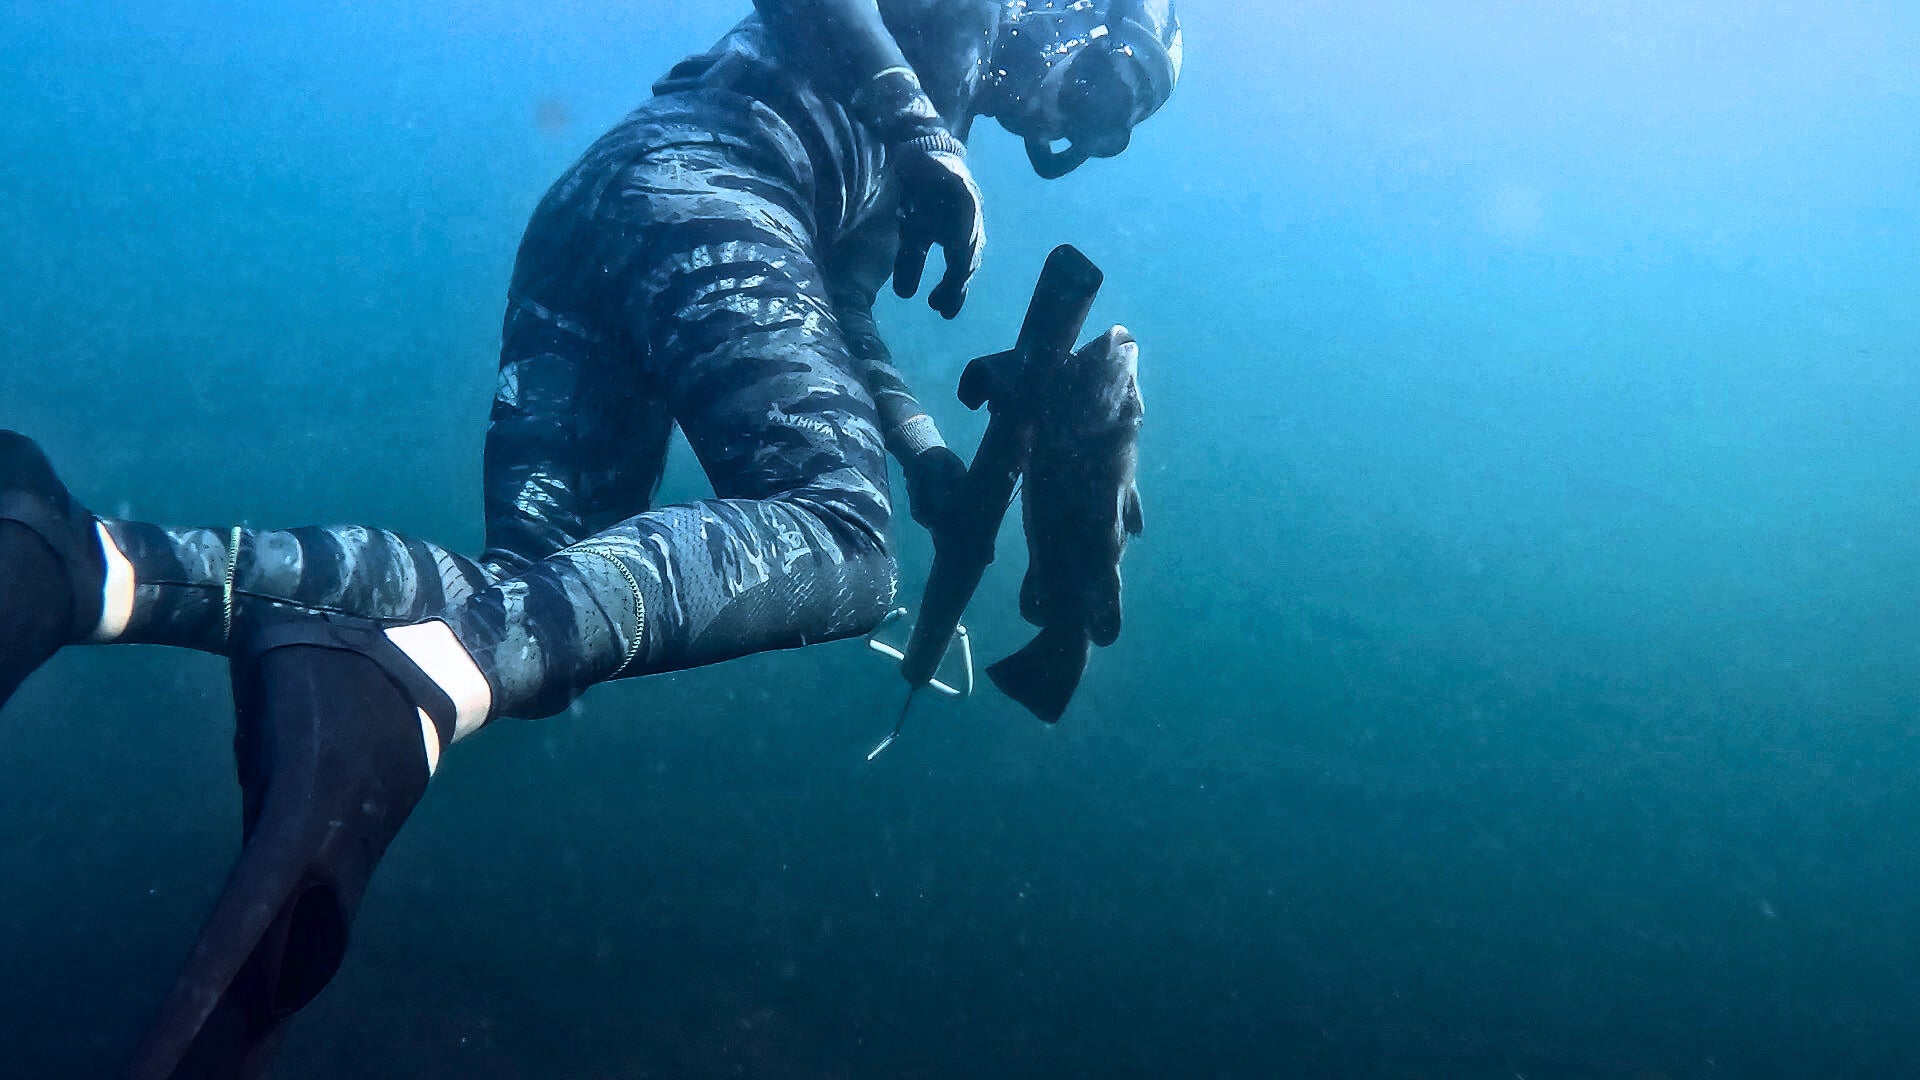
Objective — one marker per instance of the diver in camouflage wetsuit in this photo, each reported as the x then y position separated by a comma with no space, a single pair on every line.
712,262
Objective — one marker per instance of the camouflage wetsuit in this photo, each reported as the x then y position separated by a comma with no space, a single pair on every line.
710,262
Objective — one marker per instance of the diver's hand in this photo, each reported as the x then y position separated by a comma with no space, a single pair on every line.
939,204
934,476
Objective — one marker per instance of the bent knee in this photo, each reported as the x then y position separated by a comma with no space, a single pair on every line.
857,522
854,507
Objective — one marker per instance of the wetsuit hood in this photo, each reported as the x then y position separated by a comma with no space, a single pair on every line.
1085,72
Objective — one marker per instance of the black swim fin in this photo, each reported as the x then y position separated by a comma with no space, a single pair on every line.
52,569
1043,675
331,760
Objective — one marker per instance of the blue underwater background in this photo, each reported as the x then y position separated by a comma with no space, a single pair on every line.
1522,673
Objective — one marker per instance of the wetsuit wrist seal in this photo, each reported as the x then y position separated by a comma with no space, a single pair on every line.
937,141
894,104
916,435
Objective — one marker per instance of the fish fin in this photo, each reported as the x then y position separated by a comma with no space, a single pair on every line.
1130,511
1033,584
987,376
1104,625
1033,595
1044,674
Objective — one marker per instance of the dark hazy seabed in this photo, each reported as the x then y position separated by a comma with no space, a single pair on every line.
1520,678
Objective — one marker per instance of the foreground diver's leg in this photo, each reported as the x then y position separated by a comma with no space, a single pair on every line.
53,568
338,731
742,346
190,586
791,551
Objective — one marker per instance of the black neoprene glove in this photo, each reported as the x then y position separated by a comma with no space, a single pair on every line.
934,476
939,204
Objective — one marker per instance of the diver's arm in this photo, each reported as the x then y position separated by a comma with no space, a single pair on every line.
932,470
907,428
845,48
849,52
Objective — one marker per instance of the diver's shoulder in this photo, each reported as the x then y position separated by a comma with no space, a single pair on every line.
939,18
749,44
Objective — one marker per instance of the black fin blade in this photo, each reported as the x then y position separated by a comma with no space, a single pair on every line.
218,1010
1043,675
38,601
1130,516
986,377
331,762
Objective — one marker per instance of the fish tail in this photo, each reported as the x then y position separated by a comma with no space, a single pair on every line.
1043,675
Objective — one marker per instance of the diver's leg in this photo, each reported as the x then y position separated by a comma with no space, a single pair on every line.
562,448
67,577
731,307
532,463
732,312
797,555
336,722
191,587
574,442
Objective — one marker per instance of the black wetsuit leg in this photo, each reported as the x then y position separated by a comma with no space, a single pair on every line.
686,242
698,240
181,578
575,442
572,444
672,276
